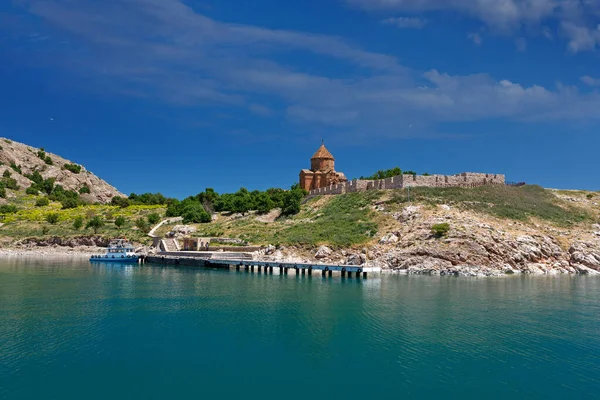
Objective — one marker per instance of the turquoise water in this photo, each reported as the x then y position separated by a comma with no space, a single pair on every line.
71,330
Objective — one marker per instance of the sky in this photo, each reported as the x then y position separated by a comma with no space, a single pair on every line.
175,96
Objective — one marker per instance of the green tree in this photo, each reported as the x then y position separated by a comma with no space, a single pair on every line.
95,223
193,212
153,218
6,174
78,223
264,203
52,218
242,201
120,201
292,201
120,221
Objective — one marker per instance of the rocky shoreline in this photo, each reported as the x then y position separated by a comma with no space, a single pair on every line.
473,247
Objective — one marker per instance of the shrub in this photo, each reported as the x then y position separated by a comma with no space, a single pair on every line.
2,192
78,223
8,141
32,190
42,201
74,168
16,168
142,224
48,160
8,209
439,230
6,174
95,223
10,183
84,189
590,196
153,218
45,230
69,202
120,221
382,174
52,218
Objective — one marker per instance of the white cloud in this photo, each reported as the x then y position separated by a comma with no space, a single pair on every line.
521,44
581,38
577,19
165,50
406,22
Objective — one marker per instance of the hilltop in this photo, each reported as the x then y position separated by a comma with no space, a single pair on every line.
22,161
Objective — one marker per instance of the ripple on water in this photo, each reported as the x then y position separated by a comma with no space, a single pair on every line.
189,332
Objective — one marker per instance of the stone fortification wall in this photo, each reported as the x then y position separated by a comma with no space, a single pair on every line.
465,179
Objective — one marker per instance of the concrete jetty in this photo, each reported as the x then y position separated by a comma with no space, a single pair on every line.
244,261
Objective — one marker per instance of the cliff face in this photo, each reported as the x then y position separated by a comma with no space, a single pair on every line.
28,159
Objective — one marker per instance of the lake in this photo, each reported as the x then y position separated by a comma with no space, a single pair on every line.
73,330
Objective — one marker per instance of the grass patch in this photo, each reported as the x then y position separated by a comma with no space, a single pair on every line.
517,203
345,220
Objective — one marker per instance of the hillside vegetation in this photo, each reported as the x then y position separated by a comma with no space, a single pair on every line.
33,171
361,218
349,220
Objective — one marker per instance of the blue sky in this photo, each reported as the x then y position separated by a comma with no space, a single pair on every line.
175,96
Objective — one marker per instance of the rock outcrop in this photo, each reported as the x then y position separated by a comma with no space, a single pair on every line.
28,160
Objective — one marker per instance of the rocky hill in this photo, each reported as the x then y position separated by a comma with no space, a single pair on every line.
21,160
485,231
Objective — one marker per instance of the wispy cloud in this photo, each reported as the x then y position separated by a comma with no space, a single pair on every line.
588,80
475,37
165,50
577,20
406,22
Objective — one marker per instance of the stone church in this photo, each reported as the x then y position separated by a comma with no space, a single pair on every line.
322,171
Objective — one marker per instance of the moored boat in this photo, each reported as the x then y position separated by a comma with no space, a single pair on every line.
118,250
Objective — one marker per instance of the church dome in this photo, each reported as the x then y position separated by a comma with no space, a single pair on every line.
322,154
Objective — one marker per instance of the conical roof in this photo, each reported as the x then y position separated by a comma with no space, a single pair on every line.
322,154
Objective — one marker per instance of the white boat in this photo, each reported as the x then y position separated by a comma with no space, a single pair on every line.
118,250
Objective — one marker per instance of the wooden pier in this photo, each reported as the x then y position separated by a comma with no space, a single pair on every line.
267,267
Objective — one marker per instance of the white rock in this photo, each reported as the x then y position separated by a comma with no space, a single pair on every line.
270,249
390,238
410,212
323,252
